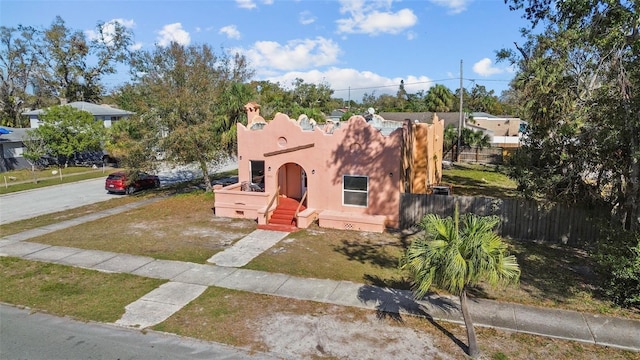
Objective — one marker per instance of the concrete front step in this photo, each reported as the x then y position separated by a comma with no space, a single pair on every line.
284,214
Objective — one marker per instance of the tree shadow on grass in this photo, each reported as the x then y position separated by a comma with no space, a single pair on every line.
555,272
368,252
473,187
391,302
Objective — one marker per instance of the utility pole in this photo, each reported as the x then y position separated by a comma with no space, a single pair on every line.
460,119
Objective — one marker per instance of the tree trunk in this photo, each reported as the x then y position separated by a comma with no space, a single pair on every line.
632,195
468,322
205,175
33,173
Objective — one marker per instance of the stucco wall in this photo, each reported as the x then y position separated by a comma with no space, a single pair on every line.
355,148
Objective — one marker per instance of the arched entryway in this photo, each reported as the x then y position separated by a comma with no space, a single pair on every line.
292,180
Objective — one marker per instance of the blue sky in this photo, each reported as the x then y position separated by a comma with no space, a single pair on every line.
355,46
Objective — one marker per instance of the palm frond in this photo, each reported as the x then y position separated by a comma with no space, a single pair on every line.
459,251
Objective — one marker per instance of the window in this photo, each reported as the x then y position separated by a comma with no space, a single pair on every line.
257,173
355,190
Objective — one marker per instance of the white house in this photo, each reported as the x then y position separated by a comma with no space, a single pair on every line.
107,114
12,146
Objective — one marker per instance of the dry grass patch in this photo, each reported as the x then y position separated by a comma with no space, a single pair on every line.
69,291
310,330
316,252
180,227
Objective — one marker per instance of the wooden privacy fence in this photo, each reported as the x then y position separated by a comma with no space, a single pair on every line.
520,219
490,155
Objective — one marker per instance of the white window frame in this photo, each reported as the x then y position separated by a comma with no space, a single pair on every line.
355,191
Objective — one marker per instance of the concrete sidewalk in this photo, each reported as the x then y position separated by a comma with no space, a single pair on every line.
188,280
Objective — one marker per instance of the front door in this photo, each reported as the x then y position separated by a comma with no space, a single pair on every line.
291,180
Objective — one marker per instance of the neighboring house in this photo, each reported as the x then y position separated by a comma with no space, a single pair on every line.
107,114
507,131
347,175
11,149
337,114
450,118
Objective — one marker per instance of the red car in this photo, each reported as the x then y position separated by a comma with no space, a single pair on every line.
129,182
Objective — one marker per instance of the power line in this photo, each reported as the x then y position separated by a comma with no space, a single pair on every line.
395,85
423,82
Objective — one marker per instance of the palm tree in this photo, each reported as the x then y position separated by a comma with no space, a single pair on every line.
475,139
454,255
439,99
450,139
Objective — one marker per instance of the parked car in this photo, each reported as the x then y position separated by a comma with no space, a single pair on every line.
129,182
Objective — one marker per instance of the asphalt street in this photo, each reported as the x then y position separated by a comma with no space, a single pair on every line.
28,204
34,336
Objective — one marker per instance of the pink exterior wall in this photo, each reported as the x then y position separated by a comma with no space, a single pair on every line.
355,148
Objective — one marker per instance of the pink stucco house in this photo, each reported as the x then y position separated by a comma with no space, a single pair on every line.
344,175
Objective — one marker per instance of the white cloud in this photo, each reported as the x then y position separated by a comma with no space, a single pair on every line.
246,4
173,33
454,6
373,18
251,4
231,31
294,55
307,18
352,84
108,30
485,67
135,46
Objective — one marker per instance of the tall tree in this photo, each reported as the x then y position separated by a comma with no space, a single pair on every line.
439,99
18,64
416,102
579,79
189,91
481,100
133,142
455,254
401,97
66,131
72,66
272,98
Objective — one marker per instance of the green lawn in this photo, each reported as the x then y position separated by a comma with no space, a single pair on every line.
479,180
20,180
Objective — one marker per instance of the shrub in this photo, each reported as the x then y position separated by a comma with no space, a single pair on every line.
618,255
